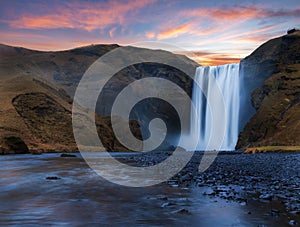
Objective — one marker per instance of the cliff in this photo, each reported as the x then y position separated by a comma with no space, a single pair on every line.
272,79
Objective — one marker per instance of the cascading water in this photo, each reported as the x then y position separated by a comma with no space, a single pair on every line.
227,78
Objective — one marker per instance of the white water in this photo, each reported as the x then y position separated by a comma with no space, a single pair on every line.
227,79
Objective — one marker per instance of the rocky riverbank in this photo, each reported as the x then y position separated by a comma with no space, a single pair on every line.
272,178
267,149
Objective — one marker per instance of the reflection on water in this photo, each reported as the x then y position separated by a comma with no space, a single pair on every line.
80,197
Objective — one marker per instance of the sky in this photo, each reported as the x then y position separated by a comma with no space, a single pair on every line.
211,32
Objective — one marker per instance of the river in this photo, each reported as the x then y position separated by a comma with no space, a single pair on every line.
76,196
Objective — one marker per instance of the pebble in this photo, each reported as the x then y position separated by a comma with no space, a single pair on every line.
182,211
243,203
242,177
266,196
275,211
167,204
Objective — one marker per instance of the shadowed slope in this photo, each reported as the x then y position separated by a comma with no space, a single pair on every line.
273,71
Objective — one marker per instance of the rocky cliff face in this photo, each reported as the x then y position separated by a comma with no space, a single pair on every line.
272,80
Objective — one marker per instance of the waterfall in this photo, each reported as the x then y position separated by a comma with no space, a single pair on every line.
227,79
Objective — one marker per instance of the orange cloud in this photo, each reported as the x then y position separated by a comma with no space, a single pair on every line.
209,58
174,32
150,35
44,42
221,19
83,16
217,19
218,60
49,21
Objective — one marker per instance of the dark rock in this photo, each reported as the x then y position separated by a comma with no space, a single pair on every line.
295,212
68,155
187,177
165,198
36,152
167,204
13,145
209,192
290,31
53,178
275,211
182,211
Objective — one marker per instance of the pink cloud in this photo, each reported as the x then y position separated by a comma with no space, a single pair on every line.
237,13
206,21
44,42
112,32
85,16
220,22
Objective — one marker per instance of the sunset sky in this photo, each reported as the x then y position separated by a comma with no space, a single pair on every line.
216,32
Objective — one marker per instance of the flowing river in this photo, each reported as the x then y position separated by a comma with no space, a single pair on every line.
50,190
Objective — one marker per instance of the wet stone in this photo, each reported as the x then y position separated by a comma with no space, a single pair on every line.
182,211
68,155
266,196
53,178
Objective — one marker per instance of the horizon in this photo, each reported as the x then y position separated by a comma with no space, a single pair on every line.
190,54
211,33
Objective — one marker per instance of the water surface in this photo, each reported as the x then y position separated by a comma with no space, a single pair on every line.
80,197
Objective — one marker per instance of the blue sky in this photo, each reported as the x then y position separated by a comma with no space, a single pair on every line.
216,32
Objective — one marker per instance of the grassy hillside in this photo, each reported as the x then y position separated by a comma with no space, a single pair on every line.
38,87
34,114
